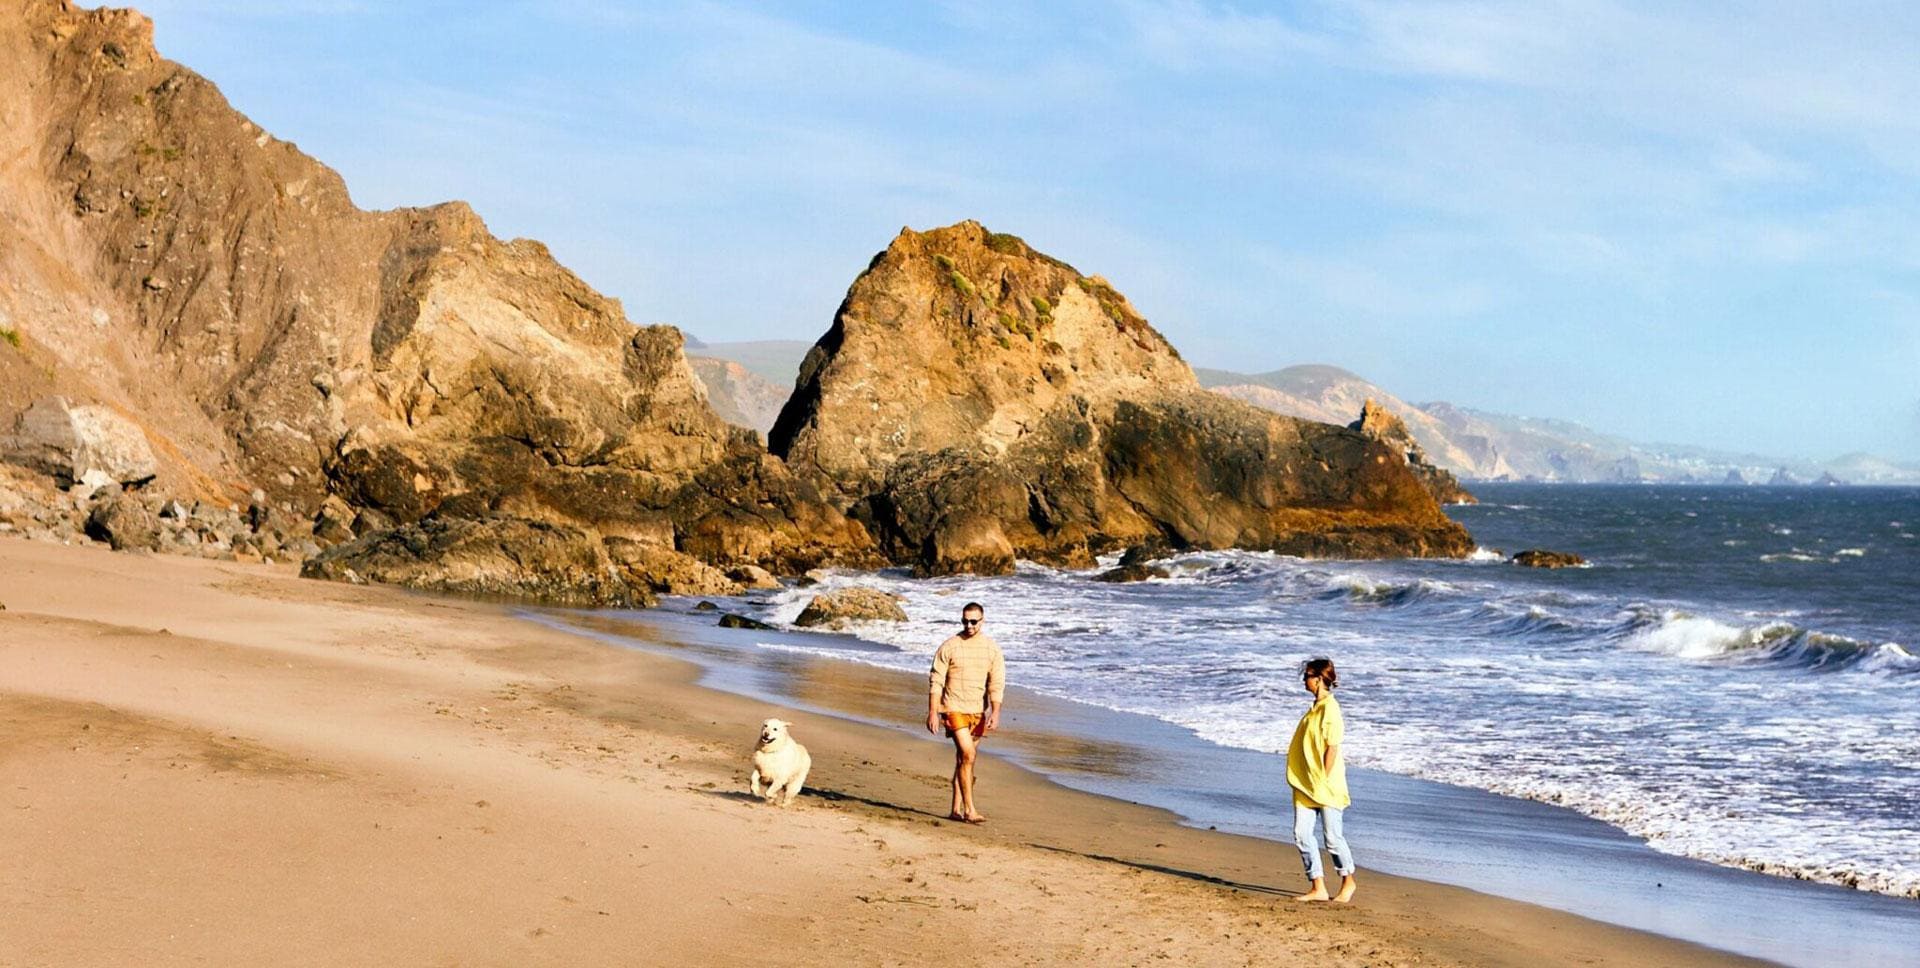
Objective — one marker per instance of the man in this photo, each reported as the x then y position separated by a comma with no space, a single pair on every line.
964,692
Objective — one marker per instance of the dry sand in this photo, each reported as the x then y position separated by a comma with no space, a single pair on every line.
223,764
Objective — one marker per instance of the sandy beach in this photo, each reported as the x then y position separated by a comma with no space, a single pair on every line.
215,763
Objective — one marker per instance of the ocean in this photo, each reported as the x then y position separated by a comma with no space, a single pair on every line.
1734,678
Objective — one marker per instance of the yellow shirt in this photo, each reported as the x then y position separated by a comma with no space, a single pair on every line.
1313,784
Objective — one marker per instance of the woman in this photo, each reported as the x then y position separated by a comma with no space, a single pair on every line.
1318,777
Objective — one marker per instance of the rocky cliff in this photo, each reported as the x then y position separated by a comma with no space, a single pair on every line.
1385,426
170,262
976,400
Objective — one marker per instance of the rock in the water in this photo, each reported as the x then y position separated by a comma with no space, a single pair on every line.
1152,550
1542,558
70,440
705,606
977,401
753,576
505,557
836,608
1133,572
125,523
732,621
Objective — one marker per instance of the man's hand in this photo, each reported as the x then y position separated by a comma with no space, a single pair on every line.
993,719
933,721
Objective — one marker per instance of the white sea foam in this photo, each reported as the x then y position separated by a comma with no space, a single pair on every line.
1486,554
1690,758
1851,553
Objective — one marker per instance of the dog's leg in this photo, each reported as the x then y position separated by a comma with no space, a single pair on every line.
799,781
754,783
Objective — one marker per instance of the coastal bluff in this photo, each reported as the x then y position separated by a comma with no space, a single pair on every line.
978,401
363,371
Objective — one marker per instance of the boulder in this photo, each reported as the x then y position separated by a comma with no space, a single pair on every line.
1133,572
668,571
500,557
836,608
733,621
69,440
1542,558
753,576
706,606
123,522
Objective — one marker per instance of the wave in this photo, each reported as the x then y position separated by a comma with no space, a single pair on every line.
1686,636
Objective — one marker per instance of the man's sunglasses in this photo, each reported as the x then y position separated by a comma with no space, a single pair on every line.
970,622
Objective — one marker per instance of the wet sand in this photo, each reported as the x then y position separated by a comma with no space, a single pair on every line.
223,764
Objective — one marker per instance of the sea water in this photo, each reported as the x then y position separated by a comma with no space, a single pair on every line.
1733,677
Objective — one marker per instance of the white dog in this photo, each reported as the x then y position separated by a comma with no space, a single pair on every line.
779,761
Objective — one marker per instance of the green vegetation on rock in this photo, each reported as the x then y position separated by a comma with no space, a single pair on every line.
1006,244
11,336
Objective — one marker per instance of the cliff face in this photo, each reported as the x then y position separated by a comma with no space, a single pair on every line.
1385,426
976,400
173,262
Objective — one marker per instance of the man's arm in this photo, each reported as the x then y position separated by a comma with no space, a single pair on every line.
936,681
996,690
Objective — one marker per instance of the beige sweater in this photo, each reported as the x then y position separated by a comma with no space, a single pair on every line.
967,673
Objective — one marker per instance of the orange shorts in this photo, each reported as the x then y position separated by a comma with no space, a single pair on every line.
971,722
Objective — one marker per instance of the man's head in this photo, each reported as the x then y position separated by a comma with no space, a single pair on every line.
972,617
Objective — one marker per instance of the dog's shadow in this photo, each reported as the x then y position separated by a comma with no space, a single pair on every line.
829,796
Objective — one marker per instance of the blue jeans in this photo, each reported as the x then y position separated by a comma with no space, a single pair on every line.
1303,838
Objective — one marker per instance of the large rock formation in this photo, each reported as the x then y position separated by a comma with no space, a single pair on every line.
1385,426
171,263
976,400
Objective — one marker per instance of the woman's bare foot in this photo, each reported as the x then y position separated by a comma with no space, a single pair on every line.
1317,894
1346,890
975,818
956,815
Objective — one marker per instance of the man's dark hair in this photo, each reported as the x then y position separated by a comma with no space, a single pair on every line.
973,607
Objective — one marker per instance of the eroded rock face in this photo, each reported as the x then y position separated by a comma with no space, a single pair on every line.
1386,426
363,370
501,557
977,401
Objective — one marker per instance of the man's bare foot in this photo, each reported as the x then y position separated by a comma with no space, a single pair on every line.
1319,894
1346,891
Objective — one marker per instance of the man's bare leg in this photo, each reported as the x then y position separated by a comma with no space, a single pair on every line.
965,748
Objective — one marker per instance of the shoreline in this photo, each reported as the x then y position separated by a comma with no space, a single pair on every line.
1500,845
225,763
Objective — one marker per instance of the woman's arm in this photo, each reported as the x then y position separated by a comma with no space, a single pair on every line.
1333,753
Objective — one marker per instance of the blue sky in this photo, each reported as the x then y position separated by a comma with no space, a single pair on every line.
1670,221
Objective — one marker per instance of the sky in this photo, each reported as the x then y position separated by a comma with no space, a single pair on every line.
1677,222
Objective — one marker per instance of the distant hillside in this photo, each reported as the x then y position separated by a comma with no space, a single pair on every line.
1481,445
1333,395
775,360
